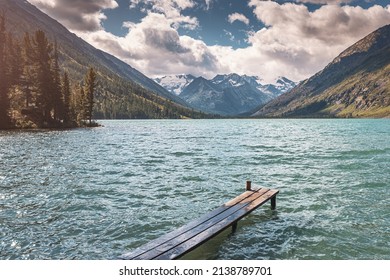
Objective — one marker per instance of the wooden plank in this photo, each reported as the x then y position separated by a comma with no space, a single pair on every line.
207,234
173,234
157,250
161,249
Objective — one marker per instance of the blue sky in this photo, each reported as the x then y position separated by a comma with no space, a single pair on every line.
214,26
292,38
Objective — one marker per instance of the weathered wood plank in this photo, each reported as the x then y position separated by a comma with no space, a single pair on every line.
183,237
173,234
210,232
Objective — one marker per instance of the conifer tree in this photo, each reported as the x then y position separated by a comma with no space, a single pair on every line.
15,61
66,99
39,52
80,106
58,103
27,76
90,85
4,84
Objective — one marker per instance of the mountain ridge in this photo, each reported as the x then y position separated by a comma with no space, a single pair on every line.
226,94
354,84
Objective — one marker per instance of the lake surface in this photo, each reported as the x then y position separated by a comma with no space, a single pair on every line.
97,193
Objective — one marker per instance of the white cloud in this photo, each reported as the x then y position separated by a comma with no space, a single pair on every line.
324,1
172,9
75,14
295,42
208,3
155,47
238,17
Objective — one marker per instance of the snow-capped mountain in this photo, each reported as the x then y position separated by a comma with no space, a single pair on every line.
280,86
284,85
229,94
175,84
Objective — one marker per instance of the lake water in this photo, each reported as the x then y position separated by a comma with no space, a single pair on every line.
97,193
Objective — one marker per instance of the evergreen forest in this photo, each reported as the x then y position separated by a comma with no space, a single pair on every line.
33,91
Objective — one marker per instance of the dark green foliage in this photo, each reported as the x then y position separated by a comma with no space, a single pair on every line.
4,83
117,98
66,99
58,103
39,57
31,89
78,104
90,85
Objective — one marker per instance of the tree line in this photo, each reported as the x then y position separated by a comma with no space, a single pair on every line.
33,90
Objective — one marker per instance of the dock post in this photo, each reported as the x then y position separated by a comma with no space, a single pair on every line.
234,227
273,203
248,185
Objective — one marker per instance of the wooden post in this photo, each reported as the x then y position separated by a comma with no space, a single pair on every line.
273,203
248,185
234,227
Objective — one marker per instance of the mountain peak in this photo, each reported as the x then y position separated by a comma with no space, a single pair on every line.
175,83
230,94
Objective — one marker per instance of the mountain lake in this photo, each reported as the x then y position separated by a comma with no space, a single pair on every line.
97,193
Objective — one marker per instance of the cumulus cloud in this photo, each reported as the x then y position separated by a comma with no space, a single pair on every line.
155,47
77,15
295,41
172,9
238,17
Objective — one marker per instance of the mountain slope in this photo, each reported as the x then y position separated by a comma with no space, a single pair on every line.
119,83
354,84
202,94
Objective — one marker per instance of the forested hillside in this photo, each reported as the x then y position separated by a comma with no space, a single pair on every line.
120,92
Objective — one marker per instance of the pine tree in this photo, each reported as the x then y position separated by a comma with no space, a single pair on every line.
90,85
15,61
14,72
80,105
27,77
39,52
4,83
66,99
58,103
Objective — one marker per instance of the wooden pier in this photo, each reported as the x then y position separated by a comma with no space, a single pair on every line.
177,243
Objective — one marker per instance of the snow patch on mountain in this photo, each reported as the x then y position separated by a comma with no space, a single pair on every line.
176,83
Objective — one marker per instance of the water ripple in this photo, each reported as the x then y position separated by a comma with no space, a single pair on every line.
95,193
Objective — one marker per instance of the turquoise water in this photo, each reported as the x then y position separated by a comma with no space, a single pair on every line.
96,193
